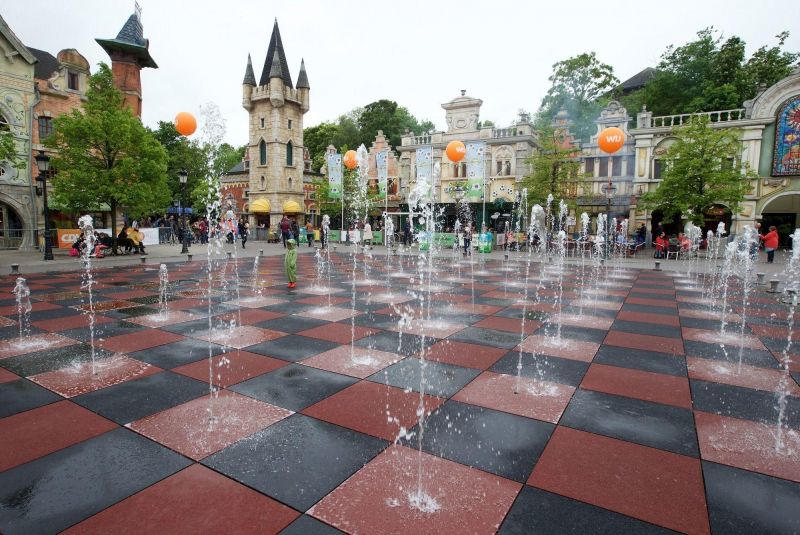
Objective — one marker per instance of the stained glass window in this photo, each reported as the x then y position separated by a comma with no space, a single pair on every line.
786,158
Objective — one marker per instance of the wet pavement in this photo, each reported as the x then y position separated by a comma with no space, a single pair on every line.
637,421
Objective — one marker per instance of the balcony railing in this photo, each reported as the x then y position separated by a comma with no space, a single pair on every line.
504,132
721,116
424,139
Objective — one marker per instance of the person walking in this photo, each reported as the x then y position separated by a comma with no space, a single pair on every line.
468,240
367,238
290,263
310,233
295,230
770,240
286,228
244,230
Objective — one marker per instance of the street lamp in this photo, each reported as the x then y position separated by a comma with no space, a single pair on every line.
43,163
183,176
609,191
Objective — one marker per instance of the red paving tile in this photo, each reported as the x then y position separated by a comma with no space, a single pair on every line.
6,376
435,327
249,316
773,331
133,294
128,343
195,500
83,377
730,373
354,361
69,322
651,302
648,317
463,354
656,291
104,306
653,485
511,325
185,428
582,320
36,306
339,333
567,348
38,432
372,408
330,313
748,445
230,368
376,499
324,300
240,337
542,400
655,387
31,344
731,338
646,342
183,304
469,308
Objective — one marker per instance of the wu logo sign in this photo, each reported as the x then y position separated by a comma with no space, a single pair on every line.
611,140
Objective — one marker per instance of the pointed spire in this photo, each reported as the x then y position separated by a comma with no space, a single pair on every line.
275,52
275,70
249,75
302,78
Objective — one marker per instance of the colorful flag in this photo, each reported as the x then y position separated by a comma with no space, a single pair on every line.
475,168
334,164
382,164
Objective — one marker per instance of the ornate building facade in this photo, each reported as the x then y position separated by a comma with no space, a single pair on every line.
275,149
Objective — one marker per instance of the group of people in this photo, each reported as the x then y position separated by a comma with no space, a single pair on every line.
683,244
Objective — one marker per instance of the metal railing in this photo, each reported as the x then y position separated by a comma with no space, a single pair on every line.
721,116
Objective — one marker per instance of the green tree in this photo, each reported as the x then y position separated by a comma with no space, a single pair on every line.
8,150
105,155
554,170
316,139
581,85
182,154
710,73
703,168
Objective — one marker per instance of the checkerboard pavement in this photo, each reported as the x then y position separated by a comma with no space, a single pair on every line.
264,410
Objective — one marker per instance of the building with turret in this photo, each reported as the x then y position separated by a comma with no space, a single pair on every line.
275,139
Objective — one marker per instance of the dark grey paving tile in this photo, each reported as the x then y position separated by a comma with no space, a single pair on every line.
293,460
392,342
188,328
124,313
487,337
708,324
308,525
498,442
9,333
746,502
53,314
642,293
290,308
293,347
650,424
294,386
538,511
554,369
585,334
637,359
753,357
646,328
51,359
54,492
136,399
291,324
104,330
744,403
22,395
442,380
168,356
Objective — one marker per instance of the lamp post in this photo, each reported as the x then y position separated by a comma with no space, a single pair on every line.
609,189
43,163
183,176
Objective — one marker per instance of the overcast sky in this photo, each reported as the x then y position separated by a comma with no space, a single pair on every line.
419,53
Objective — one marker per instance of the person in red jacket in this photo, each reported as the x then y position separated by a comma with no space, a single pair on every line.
662,243
770,240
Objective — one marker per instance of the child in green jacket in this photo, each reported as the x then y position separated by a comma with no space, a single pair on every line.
290,262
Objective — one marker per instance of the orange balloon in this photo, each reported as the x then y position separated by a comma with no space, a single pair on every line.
611,140
185,123
350,160
456,151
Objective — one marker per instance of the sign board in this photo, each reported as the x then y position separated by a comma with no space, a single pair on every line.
68,236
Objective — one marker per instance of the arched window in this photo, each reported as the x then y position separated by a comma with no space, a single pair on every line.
289,156
786,154
262,153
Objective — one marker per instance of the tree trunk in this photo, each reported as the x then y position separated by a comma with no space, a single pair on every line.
113,204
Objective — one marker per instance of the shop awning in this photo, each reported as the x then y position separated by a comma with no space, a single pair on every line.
259,206
291,207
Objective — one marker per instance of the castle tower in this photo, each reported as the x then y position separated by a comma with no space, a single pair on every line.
129,55
276,108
